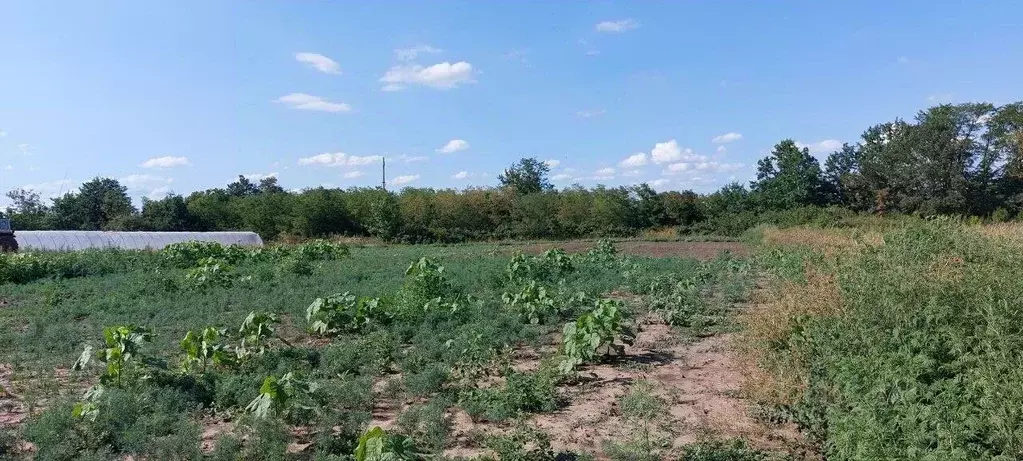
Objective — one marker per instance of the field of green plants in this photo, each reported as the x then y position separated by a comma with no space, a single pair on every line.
895,340
201,351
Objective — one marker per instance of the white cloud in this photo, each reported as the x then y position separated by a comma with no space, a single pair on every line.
442,76
404,179
631,173
714,167
51,189
721,149
339,159
667,152
821,147
25,148
354,174
454,145
9,167
3,133
159,193
319,62
617,27
591,113
413,158
462,175
552,163
634,160
256,177
165,162
903,60
304,101
410,54
659,182
604,173
153,187
561,177
726,138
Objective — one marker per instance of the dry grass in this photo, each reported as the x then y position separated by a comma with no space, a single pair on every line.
827,241
774,371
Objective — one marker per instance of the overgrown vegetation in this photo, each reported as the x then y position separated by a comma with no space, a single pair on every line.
904,347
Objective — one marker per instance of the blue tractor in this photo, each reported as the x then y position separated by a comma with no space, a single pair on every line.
7,242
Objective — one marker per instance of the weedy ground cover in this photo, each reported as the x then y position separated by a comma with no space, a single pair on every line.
289,346
907,347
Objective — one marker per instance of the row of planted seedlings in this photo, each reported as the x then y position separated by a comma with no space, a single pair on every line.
440,347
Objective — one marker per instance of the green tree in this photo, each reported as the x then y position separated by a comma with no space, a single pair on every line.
650,210
167,214
27,210
790,177
242,188
95,204
527,176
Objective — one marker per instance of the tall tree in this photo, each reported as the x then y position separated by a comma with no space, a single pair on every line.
167,214
242,188
527,176
95,204
789,177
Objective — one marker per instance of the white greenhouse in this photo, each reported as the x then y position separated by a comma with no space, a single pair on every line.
80,240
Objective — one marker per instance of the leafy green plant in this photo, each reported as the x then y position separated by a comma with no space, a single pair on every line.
121,344
532,303
342,313
282,396
551,264
211,272
594,334
205,347
603,251
378,445
321,250
255,332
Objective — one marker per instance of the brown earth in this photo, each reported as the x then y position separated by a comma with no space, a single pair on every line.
698,383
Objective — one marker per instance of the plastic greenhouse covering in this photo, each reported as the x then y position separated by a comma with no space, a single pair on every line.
80,240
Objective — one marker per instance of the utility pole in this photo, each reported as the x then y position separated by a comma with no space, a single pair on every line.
383,174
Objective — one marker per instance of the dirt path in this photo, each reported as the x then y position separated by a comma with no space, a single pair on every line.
698,383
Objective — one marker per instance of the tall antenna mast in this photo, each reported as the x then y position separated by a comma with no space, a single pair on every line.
383,174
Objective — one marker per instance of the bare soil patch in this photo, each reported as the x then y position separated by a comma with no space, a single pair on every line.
698,381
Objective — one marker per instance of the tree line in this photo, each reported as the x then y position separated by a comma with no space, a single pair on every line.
961,159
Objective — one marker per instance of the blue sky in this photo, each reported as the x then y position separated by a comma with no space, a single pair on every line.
185,95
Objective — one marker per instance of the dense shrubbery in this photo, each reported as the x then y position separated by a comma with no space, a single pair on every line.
903,350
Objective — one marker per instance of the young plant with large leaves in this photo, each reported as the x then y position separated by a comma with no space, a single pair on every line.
343,313
594,335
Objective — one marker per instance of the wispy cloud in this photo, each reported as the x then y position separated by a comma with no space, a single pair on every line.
165,162
454,145
727,138
319,62
410,54
617,27
821,147
442,76
634,160
304,101
404,179
590,113
339,159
